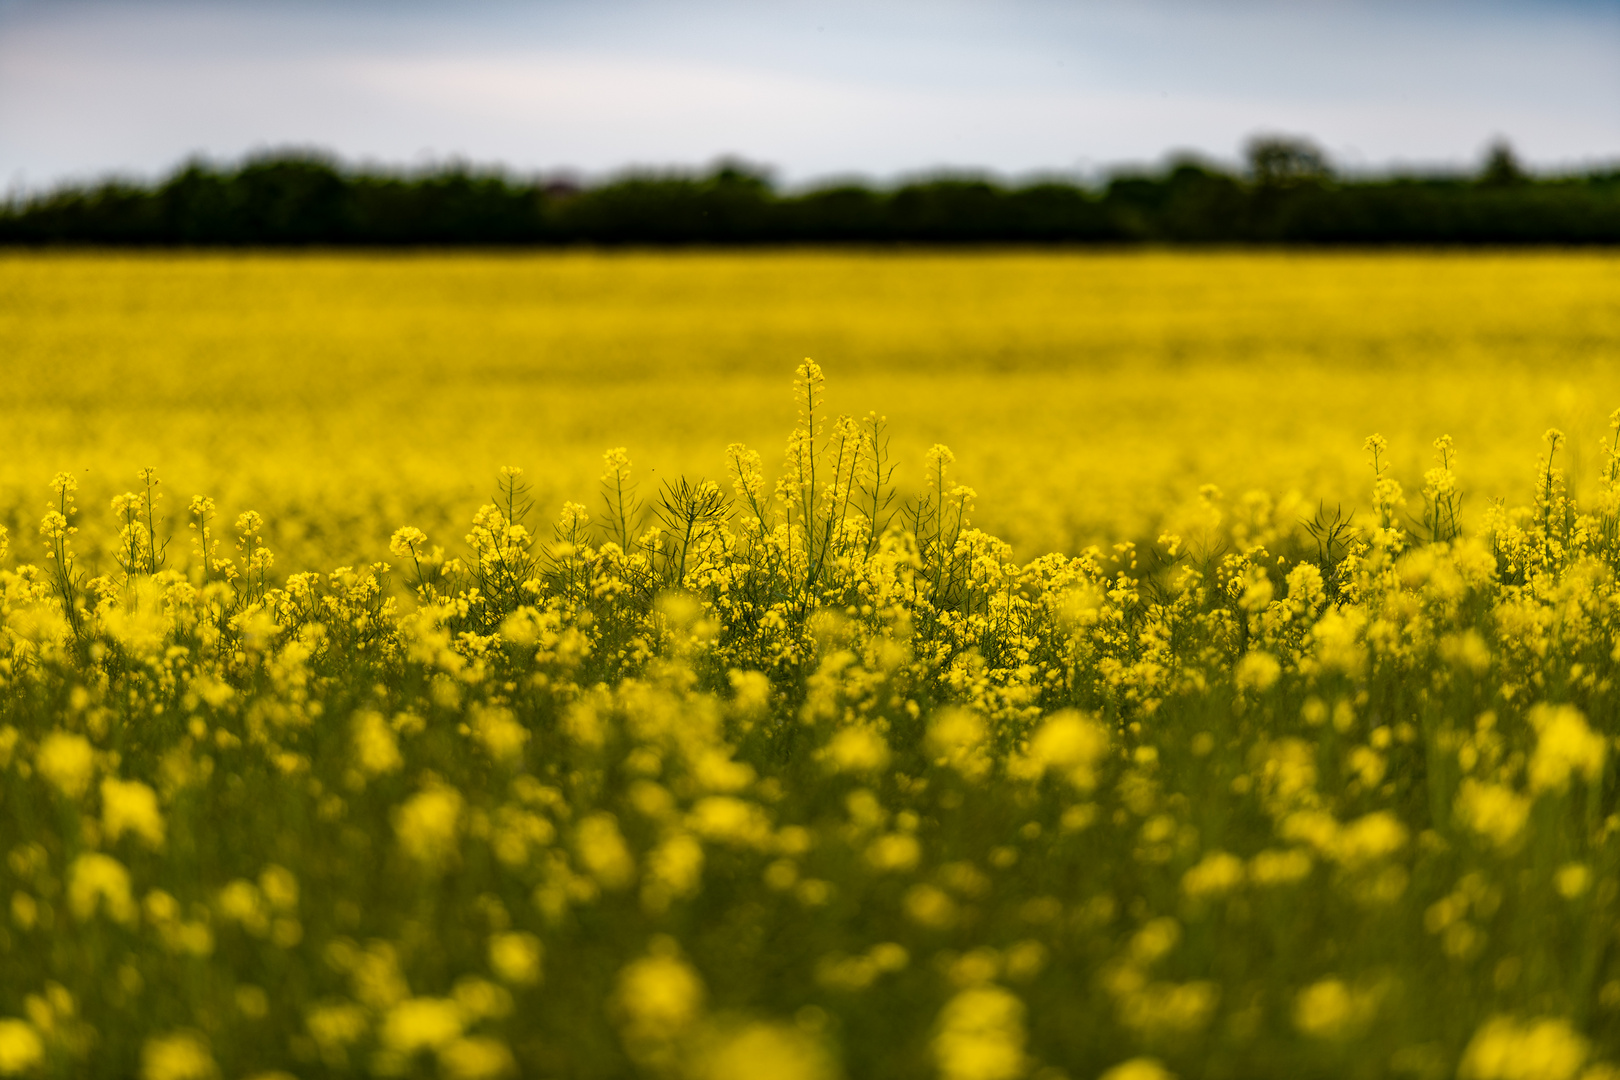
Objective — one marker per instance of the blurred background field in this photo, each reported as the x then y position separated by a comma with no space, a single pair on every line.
1086,395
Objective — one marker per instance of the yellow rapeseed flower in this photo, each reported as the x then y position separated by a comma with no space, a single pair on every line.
674,870
979,1035
97,880
894,853
1142,1068
1216,874
20,1047
1284,867
1493,811
407,543
422,1023
376,749
730,820
515,956
1068,743
603,851
67,761
279,886
479,999
179,1055
1466,651
1339,645
1507,1048
930,907
334,1025
241,902
498,730
1572,880
857,749
956,738
130,806
762,1051
1331,1010
1369,838
1156,938
1257,671
478,1057
1565,746
659,995
428,823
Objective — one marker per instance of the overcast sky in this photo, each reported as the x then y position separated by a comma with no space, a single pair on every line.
870,88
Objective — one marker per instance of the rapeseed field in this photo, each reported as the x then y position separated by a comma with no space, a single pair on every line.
781,763
338,394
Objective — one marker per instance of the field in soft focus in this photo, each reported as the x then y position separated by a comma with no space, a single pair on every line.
1084,394
801,775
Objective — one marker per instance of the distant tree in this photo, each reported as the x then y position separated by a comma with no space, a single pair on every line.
735,174
1502,168
1277,161
299,197
1202,204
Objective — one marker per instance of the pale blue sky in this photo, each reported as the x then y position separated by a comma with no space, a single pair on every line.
877,89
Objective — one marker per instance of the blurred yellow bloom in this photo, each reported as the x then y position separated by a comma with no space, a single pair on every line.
751,690
1155,939
930,907
1369,838
1467,651
279,886
894,853
1565,746
1339,644
515,957
1329,1009
1142,1068
67,761
20,1047
131,806
956,738
428,823
1506,1048
1572,880
1288,775
417,1024
674,870
1068,743
376,750
1257,671
336,1024
1218,873
1273,867
1493,811
180,1055
603,851
499,731
241,902
760,1051
659,995
96,880
979,1035
730,820
858,749
1168,1008
479,1057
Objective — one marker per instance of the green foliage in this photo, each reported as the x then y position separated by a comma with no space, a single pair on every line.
1289,196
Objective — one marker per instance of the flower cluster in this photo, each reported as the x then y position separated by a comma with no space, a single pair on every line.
721,785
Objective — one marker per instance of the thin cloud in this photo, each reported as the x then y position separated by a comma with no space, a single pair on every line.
814,89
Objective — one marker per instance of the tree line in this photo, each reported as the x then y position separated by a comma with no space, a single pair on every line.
1288,194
